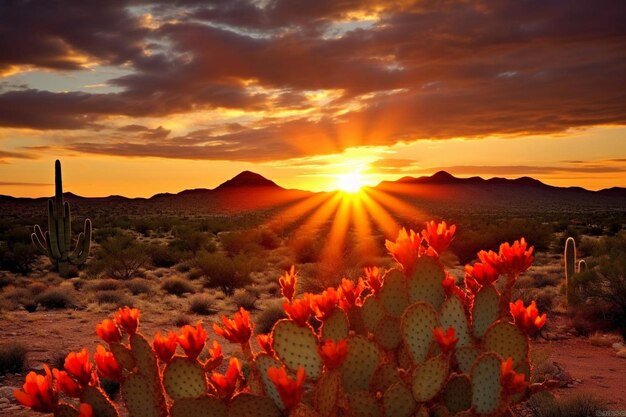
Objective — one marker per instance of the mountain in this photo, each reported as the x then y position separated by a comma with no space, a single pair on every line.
251,191
248,179
524,192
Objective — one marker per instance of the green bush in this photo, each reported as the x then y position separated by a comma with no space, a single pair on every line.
17,257
223,272
120,256
164,257
201,304
55,298
190,240
12,358
177,286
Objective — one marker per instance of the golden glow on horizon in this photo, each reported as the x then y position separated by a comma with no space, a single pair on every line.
350,182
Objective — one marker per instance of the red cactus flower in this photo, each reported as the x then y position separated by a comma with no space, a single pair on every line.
324,304
511,381
236,330
78,365
225,384
108,331
333,354
288,283
527,318
289,390
483,274
350,293
106,364
516,258
215,356
299,310
65,384
438,235
265,342
128,319
373,279
406,249
85,410
450,287
491,258
38,392
192,340
165,346
446,340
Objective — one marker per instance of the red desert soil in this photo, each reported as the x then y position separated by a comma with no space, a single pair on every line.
600,371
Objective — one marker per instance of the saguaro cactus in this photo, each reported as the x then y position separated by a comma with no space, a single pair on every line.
570,265
57,241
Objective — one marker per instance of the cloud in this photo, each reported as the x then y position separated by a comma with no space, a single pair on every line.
590,168
297,78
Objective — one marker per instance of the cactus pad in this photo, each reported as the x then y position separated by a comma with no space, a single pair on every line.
123,355
97,399
145,358
393,294
485,310
203,406
336,326
429,378
453,315
507,340
326,394
418,323
425,283
248,405
398,401
364,404
404,357
65,410
485,379
141,398
360,364
465,357
457,395
265,362
385,376
372,312
387,333
184,378
297,347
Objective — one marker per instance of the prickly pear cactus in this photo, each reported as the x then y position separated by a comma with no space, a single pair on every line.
405,342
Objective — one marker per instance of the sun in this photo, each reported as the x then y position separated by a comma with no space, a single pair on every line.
350,182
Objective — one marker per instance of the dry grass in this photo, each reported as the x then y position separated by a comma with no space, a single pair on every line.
12,358
177,285
201,304
246,299
55,298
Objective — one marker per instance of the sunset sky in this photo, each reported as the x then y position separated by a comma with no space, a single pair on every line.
139,97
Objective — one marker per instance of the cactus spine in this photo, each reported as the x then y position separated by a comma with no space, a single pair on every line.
57,241
570,266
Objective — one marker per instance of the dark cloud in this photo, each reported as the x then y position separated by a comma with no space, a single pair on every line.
430,69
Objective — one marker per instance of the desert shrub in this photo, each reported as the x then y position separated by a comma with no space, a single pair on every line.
37,288
121,257
177,286
578,405
306,249
191,240
244,298
101,234
17,257
115,297
55,298
244,241
18,294
268,239
107,284
224,272
57,360
201,304
605,283
269,316
544,297
12,358
139,286
5,281
181,320
164,257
